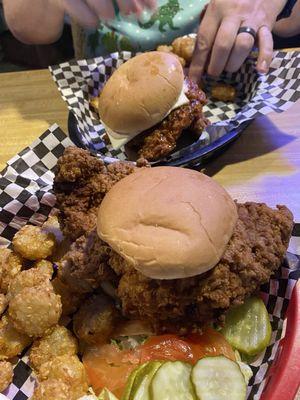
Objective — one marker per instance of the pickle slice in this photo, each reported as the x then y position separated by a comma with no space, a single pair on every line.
127,392
247,327
172,381
140,388
218,378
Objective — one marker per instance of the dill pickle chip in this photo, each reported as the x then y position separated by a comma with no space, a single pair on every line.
140,388
172,381
130,381
218,378
247,327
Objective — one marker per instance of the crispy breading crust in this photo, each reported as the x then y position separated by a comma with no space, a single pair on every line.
80,184
96,319
85,265
255,251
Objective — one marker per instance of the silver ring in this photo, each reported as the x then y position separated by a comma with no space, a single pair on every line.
247,29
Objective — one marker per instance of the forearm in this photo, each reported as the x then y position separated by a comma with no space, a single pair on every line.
279,4
34,22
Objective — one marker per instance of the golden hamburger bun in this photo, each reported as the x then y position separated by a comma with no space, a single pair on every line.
141,92
168,222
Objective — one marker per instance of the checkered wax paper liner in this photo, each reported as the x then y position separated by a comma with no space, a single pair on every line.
26,197
80,81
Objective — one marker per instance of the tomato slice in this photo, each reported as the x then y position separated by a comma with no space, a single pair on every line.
210,343
108,366
166,347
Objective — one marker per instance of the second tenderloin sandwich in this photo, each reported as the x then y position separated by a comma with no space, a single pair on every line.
148,103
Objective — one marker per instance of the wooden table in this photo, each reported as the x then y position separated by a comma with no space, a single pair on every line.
262,165
29,103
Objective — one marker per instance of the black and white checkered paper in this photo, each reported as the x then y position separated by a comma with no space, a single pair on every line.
26,197
80,81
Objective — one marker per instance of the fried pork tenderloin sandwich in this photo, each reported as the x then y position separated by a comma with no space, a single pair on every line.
148,103
184,251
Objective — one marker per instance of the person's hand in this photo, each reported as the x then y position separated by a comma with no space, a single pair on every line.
88,12
219,44
290,26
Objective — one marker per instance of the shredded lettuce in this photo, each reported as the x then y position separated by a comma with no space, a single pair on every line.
129,342
104,395
246,371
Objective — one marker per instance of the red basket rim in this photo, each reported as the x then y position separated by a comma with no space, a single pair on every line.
283,380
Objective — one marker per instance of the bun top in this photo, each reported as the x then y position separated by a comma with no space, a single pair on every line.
141,92
168,222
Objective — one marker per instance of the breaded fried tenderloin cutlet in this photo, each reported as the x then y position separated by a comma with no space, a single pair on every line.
187,251
170,213
255,251
81,181
161,139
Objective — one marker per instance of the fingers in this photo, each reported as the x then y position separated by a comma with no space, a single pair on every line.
123,7
104,9
222,47
265,52
133,6
81,12
243,45
127,7
137,7
151,4
205,39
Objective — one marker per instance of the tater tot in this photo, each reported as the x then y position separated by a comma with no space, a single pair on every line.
10,266
33,243
169,49
3,303
12,342
223,92
184,47
68,369
165,49
6,375
44,267
35,310
70,301
26,279
52,389
58,342
96,319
